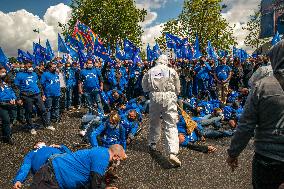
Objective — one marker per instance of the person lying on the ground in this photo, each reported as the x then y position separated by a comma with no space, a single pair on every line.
110,132
190,140
81,169
35,159
213,119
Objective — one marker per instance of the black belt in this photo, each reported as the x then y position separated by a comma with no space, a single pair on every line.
29,94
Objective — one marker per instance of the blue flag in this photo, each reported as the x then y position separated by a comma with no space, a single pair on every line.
197,54
129,49
23,56
119,53
39,53
276,39
4,60
173,41
49,51
211,52
156,53
82,58
75,44
136,58
100,50
236,52
62,47
108,49
149,53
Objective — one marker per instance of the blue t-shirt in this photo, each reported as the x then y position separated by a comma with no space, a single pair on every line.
90,79
6,93
50,83
74,170
27,82
223,72
35,159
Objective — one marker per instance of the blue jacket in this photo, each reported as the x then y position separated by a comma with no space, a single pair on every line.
233,96
90,79
202,72
50,83
131,126
6,93
109,135
74,170
27,82
35,159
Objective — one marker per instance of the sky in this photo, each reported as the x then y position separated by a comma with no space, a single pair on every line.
18,18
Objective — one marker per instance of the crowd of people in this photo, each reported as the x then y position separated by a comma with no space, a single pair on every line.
211,95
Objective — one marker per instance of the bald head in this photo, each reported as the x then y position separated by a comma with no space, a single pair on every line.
117,152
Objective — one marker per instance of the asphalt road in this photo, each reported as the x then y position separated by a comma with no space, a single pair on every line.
140,170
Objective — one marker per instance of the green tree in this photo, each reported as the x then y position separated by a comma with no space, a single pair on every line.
113,20
253,26
202,18
12,60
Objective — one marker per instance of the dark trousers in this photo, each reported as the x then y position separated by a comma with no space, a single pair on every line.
44,179
36,100
62,100
20,113
52,108
7,114
267,173
69,95
94,99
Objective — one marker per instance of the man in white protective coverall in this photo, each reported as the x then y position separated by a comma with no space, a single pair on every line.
163,85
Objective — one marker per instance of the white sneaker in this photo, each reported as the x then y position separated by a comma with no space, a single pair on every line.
50,128
82,133
174,160
33,131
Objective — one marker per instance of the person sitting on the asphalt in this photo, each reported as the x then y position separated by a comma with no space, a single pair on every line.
35,159
81,169
109,132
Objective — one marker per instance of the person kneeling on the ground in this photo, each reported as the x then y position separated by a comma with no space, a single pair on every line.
78,169
110,132
35,159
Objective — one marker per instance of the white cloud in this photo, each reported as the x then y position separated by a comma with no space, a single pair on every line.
17,28
151,33
238,13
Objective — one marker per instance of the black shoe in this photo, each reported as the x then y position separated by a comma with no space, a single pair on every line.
8,140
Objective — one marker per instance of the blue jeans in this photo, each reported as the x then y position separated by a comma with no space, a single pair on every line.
209,120
52,108
93,98
214,134
68,100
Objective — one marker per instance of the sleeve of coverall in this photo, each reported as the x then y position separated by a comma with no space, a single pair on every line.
25,168
145,81
177,83
95,133
246,127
